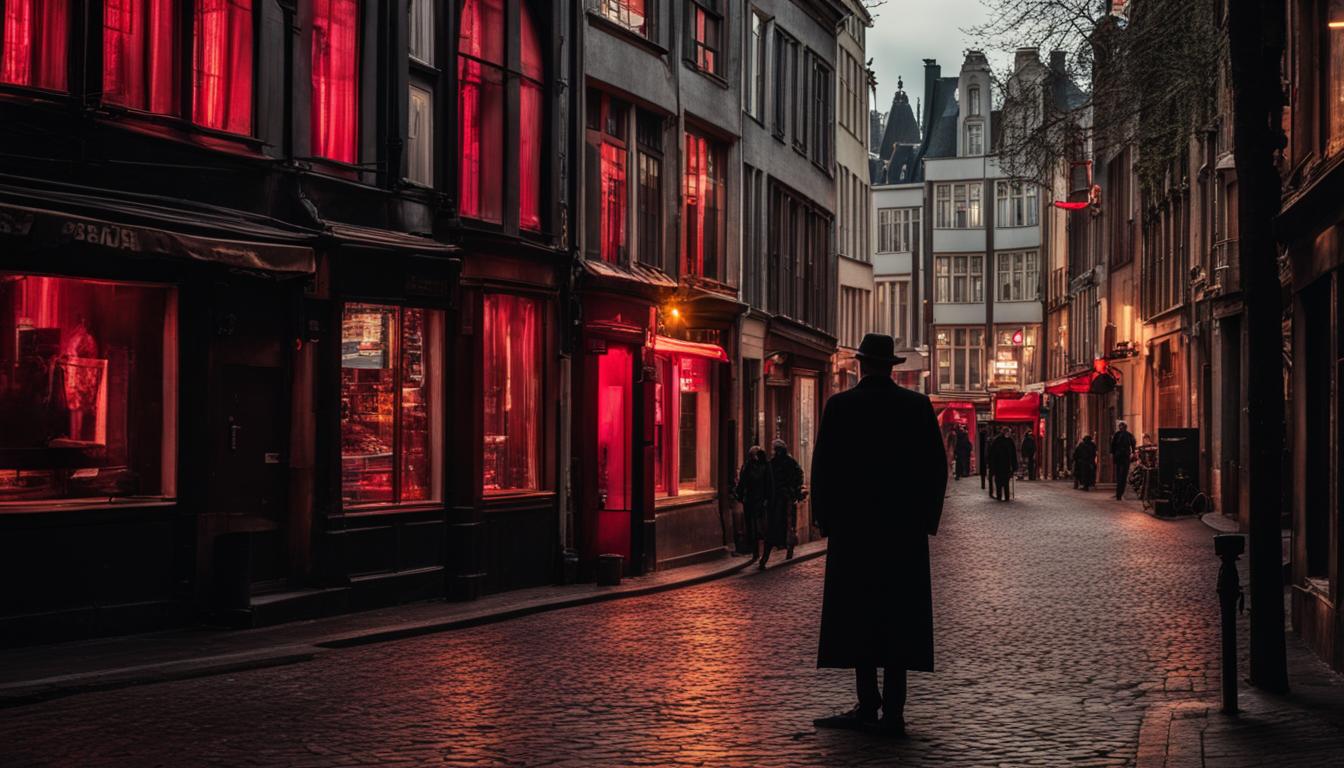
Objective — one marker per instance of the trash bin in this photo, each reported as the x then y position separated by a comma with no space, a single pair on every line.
232,571
609,570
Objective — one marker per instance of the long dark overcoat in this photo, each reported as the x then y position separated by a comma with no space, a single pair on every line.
879,474
755,489
788,477
1002,457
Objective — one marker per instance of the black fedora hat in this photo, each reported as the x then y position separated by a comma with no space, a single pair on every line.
878,348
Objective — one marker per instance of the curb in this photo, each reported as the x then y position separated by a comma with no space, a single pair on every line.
47,689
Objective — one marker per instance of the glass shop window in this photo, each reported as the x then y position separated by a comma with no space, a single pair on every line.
88,389
391,406
511,329
684,425
34,43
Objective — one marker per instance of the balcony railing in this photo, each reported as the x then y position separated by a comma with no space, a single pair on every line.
1227,266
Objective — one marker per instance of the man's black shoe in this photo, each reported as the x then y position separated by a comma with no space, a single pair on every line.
855,719
889,726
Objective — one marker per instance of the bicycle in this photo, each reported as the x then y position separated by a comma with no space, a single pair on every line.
1185,497
1142,477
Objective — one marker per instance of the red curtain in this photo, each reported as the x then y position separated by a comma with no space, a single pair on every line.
34,46
531,118
481,109
335,118
222,65
140,54
613,202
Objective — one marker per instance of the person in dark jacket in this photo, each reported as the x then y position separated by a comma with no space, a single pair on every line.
879,475
1085,463
983,456
754,490
781,529
963,453
1122,451
1029,454
1002,463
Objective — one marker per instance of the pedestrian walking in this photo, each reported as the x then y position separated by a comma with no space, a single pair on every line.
1029,454
963,453
1085,463
782,524
1122,451
1002,463
879,476
982,455
754,490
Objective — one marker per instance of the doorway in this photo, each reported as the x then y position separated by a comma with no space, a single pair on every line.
614,498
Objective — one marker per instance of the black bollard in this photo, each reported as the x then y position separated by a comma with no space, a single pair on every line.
1229,547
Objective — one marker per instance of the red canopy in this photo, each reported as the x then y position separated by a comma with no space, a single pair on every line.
1017,407
669,344
1098,380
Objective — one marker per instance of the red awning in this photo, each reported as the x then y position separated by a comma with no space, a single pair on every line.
1017,407
677,346
1098,380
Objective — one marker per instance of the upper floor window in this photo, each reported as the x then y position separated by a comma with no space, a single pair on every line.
1017,204
973,101
221,87
607,162
140,55
635,15
483,103
1019,276
784,47
421,98
961,356
335,54
959,279
706,237
898,230
957,205
893,310
754,83
823,113
35,43
704,25
975,139
649,192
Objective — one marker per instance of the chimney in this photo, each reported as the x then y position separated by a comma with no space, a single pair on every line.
931,74
1057,62
1024,56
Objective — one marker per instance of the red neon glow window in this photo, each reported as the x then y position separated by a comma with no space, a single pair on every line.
140,54
706,230
35,43
684,425
222,65
615,408
511,359
480,74
531,118
335,117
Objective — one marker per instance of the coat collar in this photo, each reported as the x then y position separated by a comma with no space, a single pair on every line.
875,382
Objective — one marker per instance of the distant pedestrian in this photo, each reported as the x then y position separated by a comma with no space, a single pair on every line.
963,453
879,476
1122,452
1085,463
982,455
754,490
782,525
1029,454
1002,463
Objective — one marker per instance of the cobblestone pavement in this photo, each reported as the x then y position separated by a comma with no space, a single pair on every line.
1061,619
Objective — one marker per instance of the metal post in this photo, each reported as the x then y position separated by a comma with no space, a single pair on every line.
1229,547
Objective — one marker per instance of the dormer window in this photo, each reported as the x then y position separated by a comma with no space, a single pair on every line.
973,101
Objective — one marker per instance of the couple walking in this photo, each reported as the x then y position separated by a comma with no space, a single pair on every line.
769,491
879,475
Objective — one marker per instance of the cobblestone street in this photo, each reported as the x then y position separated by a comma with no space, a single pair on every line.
1061,619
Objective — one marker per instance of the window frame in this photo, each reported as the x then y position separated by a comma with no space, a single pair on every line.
961,270
948,341
1013,198
968,193
719,151
618,12
424,74
696,49
976,129
669,368
893,308
754,65
898,226
1023,272
649,212
612,113
541,480
784,43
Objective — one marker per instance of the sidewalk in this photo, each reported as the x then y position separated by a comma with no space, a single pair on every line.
38,673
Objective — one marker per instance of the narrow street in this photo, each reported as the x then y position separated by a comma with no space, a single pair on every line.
1061,619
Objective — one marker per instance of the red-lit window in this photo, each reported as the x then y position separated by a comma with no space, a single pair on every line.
511,365
608,126
391,423
88,399
140,54
531,118
35,43
480,75
335,117
222,65
635,15
706,222
685,425
615,412
704,22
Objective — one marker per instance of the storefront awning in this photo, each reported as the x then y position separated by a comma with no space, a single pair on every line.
1017,406
48,216
1100,379
384,239
669,345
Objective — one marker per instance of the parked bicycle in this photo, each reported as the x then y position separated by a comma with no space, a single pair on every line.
1185,497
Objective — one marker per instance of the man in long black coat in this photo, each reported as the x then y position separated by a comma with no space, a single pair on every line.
879,474
963,453
1122,450
1029,454
1085,463
1002,463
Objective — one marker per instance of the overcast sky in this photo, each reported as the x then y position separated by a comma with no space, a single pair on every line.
905,32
